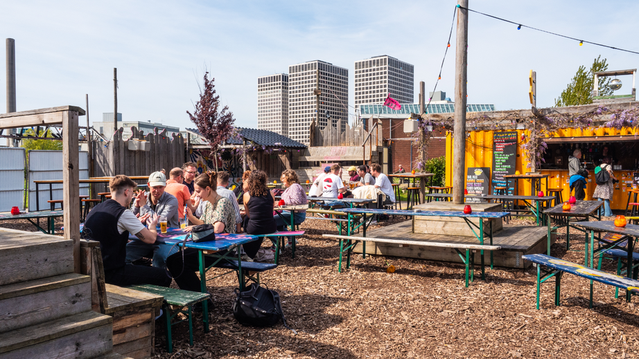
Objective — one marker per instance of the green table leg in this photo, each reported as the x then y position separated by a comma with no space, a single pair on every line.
467,265
549,237
538,283
341,252
481,253
567,233
191,326
364,235
558,288
205,304
491,243
592,246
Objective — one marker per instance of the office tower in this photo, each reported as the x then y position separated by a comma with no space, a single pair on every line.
378,76
302,100
272,103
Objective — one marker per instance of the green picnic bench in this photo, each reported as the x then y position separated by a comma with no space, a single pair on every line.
559,266
179,299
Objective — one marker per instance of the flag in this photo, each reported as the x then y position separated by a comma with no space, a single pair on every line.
392,104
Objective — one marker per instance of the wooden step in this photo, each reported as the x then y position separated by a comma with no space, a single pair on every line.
83,335
112,355
26,256
27,303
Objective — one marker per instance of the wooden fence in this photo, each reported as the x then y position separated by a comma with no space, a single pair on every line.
352,136
120,156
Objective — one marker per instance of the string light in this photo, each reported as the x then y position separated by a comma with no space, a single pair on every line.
519,26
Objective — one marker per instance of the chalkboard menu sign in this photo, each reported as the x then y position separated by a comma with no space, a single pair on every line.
635,178
504,157
477,182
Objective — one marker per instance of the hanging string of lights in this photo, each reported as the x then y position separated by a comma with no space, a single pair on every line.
520,25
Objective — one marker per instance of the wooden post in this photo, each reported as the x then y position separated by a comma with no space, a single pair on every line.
89,149
459,144
422,134
115,100
71,189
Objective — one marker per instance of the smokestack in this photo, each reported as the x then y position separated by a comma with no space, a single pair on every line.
11,75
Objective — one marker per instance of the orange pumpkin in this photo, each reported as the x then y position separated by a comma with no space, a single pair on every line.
390,269
566,206
620,221
412,172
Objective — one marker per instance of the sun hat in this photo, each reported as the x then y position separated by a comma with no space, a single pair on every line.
157,179
352,168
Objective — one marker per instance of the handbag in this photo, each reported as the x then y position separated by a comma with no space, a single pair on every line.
258,307
203,233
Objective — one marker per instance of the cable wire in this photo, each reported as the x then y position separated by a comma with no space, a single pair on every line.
520,25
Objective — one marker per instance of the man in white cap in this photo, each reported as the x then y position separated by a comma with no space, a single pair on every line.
160,203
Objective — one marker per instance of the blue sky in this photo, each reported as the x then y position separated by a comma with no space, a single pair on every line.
66,49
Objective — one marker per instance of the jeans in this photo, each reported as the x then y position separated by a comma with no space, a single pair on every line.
607,212
137,249
133,275
184,270
283,220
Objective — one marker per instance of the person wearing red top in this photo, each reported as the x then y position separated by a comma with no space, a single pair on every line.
175,187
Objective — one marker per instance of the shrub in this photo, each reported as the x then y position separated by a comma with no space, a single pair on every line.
437,166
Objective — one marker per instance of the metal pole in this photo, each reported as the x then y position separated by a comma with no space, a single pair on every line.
422,134
89,149
115,100
459,144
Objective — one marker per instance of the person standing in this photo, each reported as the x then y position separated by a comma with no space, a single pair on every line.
155,202
603,192
577,175
181,192
110,223
190,171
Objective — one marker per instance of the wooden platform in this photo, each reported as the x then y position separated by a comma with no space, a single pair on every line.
515,242
452,225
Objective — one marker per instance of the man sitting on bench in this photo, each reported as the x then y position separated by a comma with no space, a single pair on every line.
110,223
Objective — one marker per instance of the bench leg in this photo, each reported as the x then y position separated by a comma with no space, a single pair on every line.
293,240
205,305
467,265
348,252
341,252
169,337
191,325
558,288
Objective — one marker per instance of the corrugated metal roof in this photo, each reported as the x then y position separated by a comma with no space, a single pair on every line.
261,138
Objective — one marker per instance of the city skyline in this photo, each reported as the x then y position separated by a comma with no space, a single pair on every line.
162,49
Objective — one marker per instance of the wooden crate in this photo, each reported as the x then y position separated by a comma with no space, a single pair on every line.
133,315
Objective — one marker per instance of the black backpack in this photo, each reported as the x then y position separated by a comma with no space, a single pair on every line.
258,307
602,177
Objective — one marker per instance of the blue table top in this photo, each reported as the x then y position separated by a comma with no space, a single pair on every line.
425,213
222,240
609,226
345,200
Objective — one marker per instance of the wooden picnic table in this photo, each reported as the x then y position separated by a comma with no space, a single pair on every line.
350,201
534,178
582,210
477,229
51,182
534,209
30,216
630,230
422,181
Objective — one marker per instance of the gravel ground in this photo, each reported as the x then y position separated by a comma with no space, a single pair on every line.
421,310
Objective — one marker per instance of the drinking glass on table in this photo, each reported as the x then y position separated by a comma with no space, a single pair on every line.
163,224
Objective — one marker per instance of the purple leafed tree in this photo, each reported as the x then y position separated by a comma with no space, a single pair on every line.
215,125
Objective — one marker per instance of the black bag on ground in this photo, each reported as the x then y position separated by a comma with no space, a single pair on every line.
258,307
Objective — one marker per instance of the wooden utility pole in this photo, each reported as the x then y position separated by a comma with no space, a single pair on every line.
461,61
115,100
422,134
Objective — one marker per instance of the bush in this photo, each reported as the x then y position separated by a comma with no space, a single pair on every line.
438,167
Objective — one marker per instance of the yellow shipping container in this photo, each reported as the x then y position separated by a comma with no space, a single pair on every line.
479,153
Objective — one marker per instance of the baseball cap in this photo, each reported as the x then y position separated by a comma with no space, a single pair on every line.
157,179
327,169
352,168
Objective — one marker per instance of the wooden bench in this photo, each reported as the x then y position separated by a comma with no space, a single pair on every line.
559,266
133,311
330,212
467,258
249,269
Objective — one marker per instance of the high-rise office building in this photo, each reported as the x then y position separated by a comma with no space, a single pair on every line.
302,101
272,103
378,76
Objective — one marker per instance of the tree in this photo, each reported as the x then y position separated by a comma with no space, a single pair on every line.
214,125
33,144
579,90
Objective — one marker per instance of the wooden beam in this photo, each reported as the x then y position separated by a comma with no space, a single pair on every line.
71,189
41,117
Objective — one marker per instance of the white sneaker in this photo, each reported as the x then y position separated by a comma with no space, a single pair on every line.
246,258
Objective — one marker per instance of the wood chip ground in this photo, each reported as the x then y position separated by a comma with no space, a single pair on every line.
420,311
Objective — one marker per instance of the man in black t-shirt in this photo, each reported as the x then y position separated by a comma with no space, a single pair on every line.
110,223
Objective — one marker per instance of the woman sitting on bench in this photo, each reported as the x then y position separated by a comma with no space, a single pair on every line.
218,212
258,205
293,195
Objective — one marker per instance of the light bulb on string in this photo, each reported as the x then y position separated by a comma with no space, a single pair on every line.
581,43
448,45
519,27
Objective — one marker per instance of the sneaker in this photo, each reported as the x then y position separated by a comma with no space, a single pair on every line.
160,315
289,244
246,258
